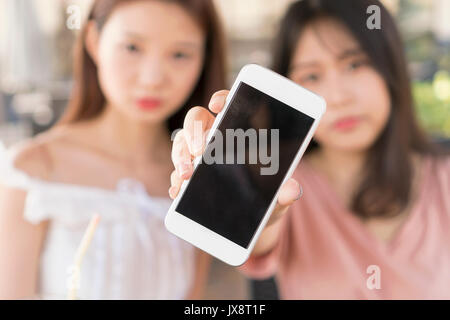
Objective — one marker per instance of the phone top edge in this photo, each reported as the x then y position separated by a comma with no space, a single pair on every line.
250,66
247,75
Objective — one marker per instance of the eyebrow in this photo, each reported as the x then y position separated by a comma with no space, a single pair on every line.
347,53
134,35
350,53
189,44
143,38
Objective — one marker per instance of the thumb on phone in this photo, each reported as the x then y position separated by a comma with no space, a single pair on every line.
289,193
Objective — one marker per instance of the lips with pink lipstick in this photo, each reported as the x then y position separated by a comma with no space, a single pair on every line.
149,103
347,123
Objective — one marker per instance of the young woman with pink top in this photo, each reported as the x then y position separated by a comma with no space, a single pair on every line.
374,218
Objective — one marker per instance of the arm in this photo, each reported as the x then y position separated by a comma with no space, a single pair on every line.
265,257
268,239
20,246
203,262
21,241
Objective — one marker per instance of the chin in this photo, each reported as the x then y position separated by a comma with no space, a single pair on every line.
351,145
151,118
355,148
358,140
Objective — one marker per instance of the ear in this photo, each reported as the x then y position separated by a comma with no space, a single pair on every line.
91,40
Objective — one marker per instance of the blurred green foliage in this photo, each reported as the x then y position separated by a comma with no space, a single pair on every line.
433,113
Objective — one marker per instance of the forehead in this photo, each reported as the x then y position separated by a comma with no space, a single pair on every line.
154,19
324,38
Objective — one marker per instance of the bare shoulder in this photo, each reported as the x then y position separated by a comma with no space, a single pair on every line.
34,156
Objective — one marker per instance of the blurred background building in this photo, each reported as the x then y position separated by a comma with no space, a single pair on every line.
36,41
36,45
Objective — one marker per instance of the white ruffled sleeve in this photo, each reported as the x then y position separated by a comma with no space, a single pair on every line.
46,200
74,205
36,208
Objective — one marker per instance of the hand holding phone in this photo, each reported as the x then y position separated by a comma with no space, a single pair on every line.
185,149
243,160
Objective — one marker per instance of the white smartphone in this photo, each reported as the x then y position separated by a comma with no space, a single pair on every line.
253,147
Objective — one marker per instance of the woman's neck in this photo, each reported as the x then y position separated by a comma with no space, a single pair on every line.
127,138
341,168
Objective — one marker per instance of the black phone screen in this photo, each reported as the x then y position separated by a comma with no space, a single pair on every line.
244,164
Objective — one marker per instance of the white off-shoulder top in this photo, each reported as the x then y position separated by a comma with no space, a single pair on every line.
131,256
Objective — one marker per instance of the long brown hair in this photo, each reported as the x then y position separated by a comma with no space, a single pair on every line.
385,189
87,100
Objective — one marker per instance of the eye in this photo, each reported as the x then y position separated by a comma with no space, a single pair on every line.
312,77
355,65
131,47
179,55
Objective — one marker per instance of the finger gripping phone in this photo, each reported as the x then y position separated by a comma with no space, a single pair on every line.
253,147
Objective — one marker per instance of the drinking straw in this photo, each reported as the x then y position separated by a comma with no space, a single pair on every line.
75,269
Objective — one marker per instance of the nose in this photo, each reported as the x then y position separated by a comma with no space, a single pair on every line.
336,90
152,74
